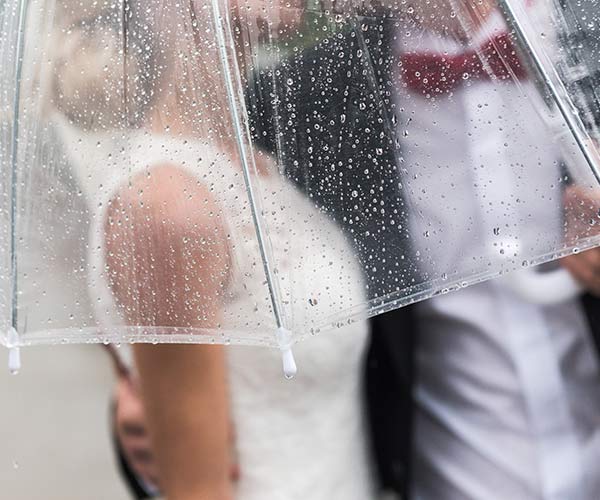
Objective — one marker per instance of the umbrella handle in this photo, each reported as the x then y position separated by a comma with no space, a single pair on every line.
546,288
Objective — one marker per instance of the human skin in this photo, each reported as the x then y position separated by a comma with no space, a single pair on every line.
582,212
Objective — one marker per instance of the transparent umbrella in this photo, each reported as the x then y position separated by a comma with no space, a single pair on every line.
260,172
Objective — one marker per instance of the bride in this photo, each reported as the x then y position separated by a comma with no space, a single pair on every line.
172,245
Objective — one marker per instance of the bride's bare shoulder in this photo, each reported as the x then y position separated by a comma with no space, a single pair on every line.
172,212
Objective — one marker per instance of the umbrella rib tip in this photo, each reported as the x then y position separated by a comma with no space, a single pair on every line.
289,363
284,339
14,352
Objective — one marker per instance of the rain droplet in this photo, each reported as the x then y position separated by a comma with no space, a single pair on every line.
497,231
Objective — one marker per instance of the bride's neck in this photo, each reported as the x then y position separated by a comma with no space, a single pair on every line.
178,113
209,122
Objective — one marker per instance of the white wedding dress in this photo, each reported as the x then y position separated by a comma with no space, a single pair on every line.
299,439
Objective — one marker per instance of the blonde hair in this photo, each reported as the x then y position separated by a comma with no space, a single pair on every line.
92,80
109,66
101,77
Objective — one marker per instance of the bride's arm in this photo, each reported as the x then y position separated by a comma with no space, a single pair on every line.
185,396
167,258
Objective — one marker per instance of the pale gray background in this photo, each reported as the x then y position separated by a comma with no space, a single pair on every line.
54,429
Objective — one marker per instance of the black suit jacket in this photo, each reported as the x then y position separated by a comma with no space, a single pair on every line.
331,107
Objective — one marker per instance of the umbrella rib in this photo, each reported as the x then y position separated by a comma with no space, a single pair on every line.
245,161
19,49
283,335
14,358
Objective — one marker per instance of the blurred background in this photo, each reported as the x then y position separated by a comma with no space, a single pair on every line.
55,427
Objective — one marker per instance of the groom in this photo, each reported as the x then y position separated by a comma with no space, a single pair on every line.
339,97
346,138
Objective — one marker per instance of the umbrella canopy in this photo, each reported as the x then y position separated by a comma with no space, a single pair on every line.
259,172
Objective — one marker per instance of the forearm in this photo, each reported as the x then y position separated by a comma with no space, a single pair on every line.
184,390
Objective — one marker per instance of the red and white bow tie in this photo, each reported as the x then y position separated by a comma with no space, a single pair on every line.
434,74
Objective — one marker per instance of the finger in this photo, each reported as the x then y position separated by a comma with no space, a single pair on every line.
142,461
133,429
234,473
589,259
593,257
130,417
580,271
135,445
583,273
148,475
142,455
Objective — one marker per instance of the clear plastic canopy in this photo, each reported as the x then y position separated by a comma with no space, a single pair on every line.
258,171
